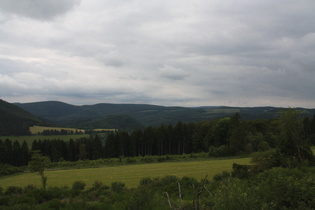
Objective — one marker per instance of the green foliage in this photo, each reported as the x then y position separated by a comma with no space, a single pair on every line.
9,170
13,190
293,145
267,159
287,188
38,165
78,185
142,199
232,194
117,186
221,176
241,171
222,151
277,188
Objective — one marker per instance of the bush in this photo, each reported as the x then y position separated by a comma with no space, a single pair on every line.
13,190
29,187
169,179
286,188
241,171
9,170
57,192
97,185
141,199
233,193
130,160
222,176
78,185
147,181
148,159
267,159
188,181
221,151
117,186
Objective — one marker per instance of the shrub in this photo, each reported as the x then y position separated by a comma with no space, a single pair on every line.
130,160
78,185
267,159
263,146
222,176
241,171
141,199
57,192
286,188
13,190
188,181
97,185
146,181
148,159
29,187
234,193
213,151
9,170
221,151
56,204
117,186
4,200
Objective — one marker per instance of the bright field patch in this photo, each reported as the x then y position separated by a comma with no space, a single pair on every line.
128,174
39,129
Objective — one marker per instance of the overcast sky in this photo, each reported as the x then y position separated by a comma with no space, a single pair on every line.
178,52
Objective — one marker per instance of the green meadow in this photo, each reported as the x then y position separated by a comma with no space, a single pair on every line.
128,174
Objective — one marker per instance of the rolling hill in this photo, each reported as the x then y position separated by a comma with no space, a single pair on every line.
131,116
15,120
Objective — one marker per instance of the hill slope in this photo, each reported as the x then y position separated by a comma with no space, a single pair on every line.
15,120
131,116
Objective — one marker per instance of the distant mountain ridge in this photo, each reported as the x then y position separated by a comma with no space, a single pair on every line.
132,116
15,120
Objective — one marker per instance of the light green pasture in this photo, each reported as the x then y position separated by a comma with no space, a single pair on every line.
128,174
39,129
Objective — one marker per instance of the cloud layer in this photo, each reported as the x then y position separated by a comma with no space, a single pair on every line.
191,53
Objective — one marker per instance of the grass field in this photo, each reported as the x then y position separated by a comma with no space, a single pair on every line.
128,174
29,139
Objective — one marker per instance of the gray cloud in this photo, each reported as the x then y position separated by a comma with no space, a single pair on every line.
172,73
187,53
37,9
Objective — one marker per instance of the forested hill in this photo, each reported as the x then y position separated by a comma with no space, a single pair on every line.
130,116
14,120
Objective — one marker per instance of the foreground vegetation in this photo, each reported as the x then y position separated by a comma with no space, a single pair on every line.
277,188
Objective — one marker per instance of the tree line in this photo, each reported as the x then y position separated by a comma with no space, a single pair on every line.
50,132
291,132
13,153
